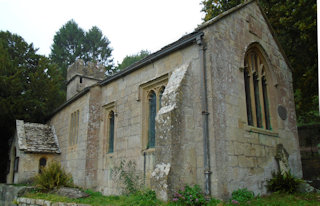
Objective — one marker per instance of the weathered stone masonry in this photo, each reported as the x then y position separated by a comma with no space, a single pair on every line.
241,155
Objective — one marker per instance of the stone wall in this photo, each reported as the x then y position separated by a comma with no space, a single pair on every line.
28,164
127,96
22,201
76,85
240,155
243,156
73,157
81,75
8,193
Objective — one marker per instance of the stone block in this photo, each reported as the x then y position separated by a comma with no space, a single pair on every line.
249,150
246,161
230,148
233,161
267,140
260,151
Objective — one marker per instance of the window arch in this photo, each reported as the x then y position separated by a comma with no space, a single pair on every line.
152,98
256,89
151,94
111,131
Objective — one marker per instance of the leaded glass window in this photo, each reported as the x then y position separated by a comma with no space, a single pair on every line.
256,90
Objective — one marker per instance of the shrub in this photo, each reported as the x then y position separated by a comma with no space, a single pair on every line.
285,183
214,202
143,198
53,176
190,196
241,196
126,176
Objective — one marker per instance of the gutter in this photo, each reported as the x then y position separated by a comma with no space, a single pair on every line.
205,114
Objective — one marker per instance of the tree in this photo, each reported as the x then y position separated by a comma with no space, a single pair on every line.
129,60
213,8
67,45
71,42
96,47
29,88
296,27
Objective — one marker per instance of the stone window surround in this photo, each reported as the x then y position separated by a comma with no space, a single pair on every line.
74,128
266,115
156,85
107,109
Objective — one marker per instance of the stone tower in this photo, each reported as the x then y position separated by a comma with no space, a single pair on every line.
81,75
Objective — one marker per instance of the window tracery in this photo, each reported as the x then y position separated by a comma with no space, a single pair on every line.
256,90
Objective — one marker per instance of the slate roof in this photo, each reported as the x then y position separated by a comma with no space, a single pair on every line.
36,138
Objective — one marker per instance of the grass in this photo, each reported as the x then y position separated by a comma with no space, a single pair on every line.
280,199
97,199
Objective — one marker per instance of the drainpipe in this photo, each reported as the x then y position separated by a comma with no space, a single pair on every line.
205,114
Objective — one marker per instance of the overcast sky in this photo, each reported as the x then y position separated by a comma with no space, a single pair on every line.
130,25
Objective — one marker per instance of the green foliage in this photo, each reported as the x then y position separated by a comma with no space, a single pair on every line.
126,176
131,59
214,202
71,42
280,199
96,47
213,8
283,183
142,198
295,24
53,176
189,196
242,195
30,87
97,199
67,45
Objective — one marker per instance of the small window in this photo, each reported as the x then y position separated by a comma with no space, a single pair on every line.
80,80
16,164
152,119
42,163
111,132
74,128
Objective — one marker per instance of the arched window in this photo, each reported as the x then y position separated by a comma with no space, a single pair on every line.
42,163
152,119
111,131
255,81
151,93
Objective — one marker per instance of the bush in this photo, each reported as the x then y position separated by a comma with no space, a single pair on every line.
285,183
142,198
241,196
53,176
190,196
127,177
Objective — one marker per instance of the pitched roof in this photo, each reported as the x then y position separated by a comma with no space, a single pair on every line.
36,138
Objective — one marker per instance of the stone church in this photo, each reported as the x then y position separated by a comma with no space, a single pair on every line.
212,108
